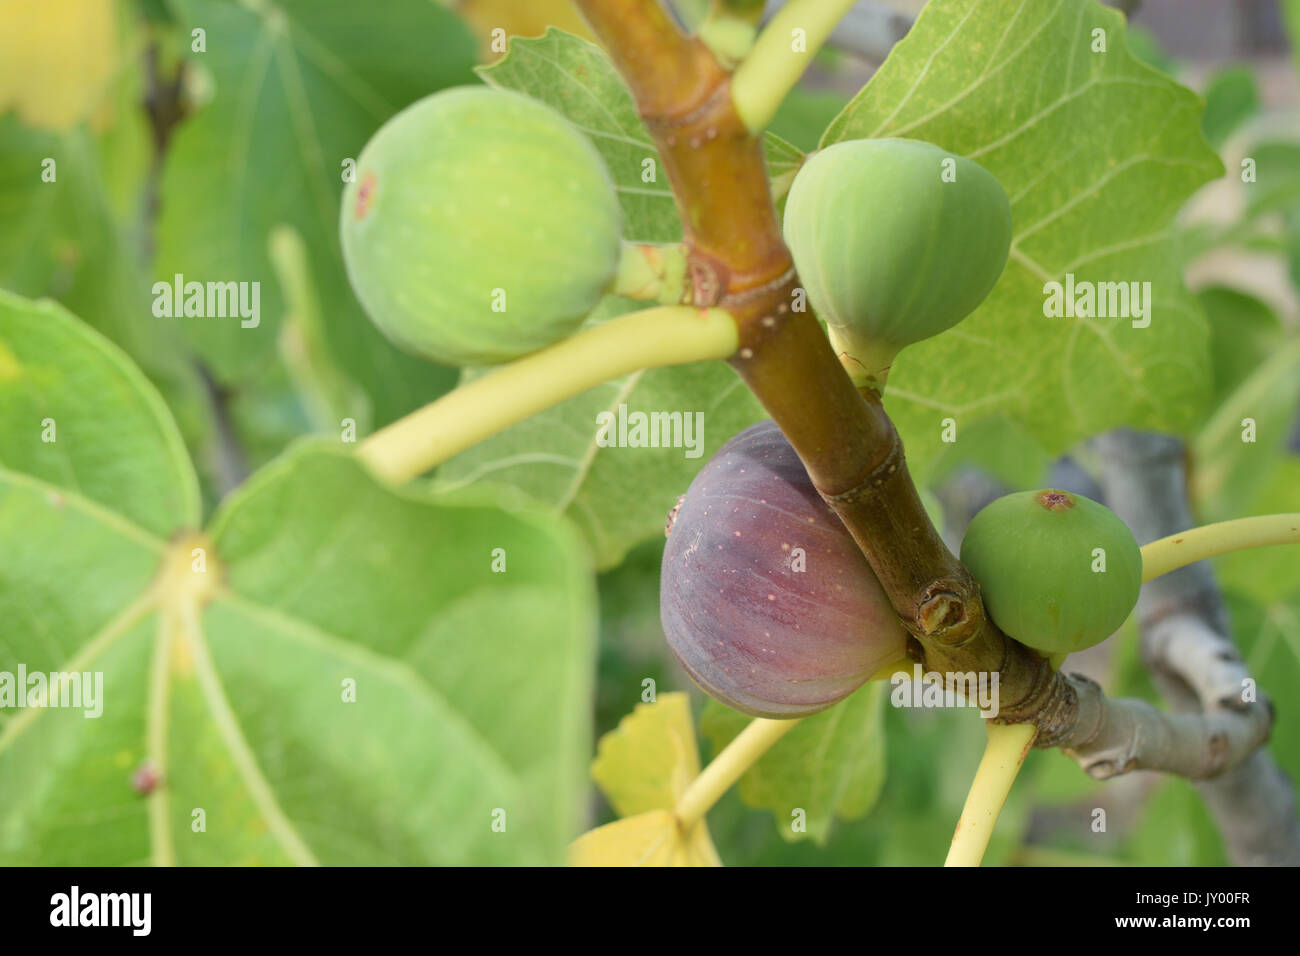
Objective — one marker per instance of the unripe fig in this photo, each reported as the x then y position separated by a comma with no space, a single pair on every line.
481,226
765,598
895,240
1058,571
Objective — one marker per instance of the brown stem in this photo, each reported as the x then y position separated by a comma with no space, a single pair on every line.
739,261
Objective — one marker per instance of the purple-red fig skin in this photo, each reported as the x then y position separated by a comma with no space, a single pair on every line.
753,632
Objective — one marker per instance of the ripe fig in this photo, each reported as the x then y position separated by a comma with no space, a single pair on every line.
1059,572
481,226
895,240
765,598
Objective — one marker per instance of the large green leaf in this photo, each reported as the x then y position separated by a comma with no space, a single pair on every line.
997,446
298,88
472,685
1097,152
339,672
76,415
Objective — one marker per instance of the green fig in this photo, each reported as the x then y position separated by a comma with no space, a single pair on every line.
1058,571
480,226
765,598
895,241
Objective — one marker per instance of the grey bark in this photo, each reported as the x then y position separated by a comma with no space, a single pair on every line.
1187,647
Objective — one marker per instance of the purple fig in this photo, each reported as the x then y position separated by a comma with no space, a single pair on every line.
765,599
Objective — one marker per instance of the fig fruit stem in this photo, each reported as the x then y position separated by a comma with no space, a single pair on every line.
652,272
728,767
1187,547
866,361
728,37
1004,755
651,338
774,65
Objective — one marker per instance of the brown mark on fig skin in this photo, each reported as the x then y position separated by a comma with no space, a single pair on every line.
1056,500
365,195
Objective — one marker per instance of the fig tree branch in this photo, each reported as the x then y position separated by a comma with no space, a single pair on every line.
738,261
1114,736
651,338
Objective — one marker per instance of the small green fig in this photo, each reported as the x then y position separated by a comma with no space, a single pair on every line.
1058,571
765,598
895,240
480,226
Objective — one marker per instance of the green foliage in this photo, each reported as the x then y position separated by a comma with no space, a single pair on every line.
1175,829
1146,47
997,446
78,415
576,79
1262,573
1231,98
1245,439
804,114
72,240
1101,212
1244,332
235,662
1267,630
617,496
229,654
295,95
831,765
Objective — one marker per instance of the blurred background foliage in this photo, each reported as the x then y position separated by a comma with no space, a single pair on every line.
162,178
